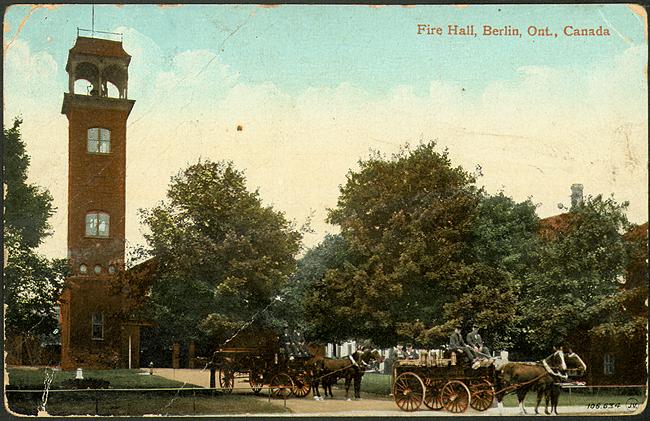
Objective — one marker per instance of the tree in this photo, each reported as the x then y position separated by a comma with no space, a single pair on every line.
406,221
222,255
296,304
504,244
32,286
505,234
32,283
576,269
28,207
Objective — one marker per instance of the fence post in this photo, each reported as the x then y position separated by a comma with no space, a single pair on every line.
96,403
194,401
213,381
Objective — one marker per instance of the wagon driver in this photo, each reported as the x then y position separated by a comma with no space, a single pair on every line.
456,343
476,342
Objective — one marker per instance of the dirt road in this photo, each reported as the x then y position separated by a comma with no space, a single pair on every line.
369,405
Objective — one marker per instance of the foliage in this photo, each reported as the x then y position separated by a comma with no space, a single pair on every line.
407,221
576,270
505,234
223,256
32,283
296,305
503,245
27,206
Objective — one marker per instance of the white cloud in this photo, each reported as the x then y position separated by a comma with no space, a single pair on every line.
29,79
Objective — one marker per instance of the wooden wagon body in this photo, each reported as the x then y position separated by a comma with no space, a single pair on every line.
443,383
263,365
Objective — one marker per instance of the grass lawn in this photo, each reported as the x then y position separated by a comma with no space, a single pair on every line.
172,402
139,403
379,384
28,378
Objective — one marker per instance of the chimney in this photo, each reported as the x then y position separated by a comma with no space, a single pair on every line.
576,194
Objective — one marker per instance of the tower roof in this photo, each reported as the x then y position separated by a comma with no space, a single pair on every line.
99,47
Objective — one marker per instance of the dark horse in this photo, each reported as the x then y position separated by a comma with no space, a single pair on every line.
521,377
330,370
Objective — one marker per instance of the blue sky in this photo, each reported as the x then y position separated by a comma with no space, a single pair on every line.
316,87
374,48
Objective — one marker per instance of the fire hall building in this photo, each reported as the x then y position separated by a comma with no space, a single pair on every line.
96,330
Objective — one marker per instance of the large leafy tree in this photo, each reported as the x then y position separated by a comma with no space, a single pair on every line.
505,234
32,283
503,245
222,255
406,221
296,295
299,308
582,257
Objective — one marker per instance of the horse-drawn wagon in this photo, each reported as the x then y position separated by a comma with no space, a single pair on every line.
267,364
443,381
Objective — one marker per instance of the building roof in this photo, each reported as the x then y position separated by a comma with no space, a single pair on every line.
98,47
549,227
639,232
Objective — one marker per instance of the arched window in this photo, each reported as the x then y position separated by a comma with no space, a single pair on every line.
99,140
97,224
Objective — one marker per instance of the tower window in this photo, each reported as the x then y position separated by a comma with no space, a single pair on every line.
99,140
97,224
98,326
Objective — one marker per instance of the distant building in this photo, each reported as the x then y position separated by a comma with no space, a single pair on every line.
96,330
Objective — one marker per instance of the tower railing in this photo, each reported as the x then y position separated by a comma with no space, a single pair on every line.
94,31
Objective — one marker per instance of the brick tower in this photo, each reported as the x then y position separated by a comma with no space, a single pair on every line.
93,333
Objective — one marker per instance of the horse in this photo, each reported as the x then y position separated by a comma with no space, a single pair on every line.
328,370
552,392
352,368
522,377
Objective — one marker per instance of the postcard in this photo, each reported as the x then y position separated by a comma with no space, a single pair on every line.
325,210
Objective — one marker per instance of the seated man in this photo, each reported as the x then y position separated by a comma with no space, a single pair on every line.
400,353
456,343
411,354
476,342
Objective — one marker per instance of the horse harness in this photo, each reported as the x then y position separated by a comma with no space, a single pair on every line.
516,386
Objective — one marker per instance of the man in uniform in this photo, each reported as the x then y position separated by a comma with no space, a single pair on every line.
456,343
411,354
476,342
287,344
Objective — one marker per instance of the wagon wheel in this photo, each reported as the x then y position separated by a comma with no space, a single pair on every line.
281,386
256,380
482,395
226,380
455,396
432,397
408,391
301,385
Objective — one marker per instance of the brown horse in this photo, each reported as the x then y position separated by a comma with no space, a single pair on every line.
521,377
330,370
